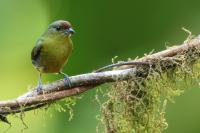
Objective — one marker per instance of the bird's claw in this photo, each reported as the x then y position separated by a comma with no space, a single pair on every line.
39,88
67,81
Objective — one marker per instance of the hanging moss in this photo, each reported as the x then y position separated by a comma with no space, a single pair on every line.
138,105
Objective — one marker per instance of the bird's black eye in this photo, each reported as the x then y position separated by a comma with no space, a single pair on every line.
58,28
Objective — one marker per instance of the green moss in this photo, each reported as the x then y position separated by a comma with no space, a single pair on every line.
138,105
66,105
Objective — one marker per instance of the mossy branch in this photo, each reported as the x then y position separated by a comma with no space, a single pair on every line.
81,83
58,90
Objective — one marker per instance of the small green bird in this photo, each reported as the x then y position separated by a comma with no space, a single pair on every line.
52,50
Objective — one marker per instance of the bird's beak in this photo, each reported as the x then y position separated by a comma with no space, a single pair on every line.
70,30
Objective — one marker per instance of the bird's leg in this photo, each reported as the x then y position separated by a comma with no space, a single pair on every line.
66,78
39,87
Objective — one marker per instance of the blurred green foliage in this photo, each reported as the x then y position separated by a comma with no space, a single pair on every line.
104,29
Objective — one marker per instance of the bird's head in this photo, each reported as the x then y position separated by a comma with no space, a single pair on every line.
61,28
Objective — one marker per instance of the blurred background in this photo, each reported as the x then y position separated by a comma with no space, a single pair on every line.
104,29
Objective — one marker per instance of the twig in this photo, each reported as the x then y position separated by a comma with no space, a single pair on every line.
81,83
131,63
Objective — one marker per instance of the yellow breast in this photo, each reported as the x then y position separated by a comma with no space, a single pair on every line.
54,55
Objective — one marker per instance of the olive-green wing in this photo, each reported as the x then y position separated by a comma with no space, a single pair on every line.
35,55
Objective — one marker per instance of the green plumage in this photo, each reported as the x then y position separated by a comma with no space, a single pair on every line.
51,51
53,54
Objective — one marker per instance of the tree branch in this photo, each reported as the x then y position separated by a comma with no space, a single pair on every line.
81,83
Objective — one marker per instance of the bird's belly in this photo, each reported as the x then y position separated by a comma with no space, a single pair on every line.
53,58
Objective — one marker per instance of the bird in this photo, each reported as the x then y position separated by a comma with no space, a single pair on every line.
52,50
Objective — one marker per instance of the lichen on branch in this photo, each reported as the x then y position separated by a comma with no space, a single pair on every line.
138,104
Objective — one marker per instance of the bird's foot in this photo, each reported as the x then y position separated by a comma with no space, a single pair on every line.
66,79
39,88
